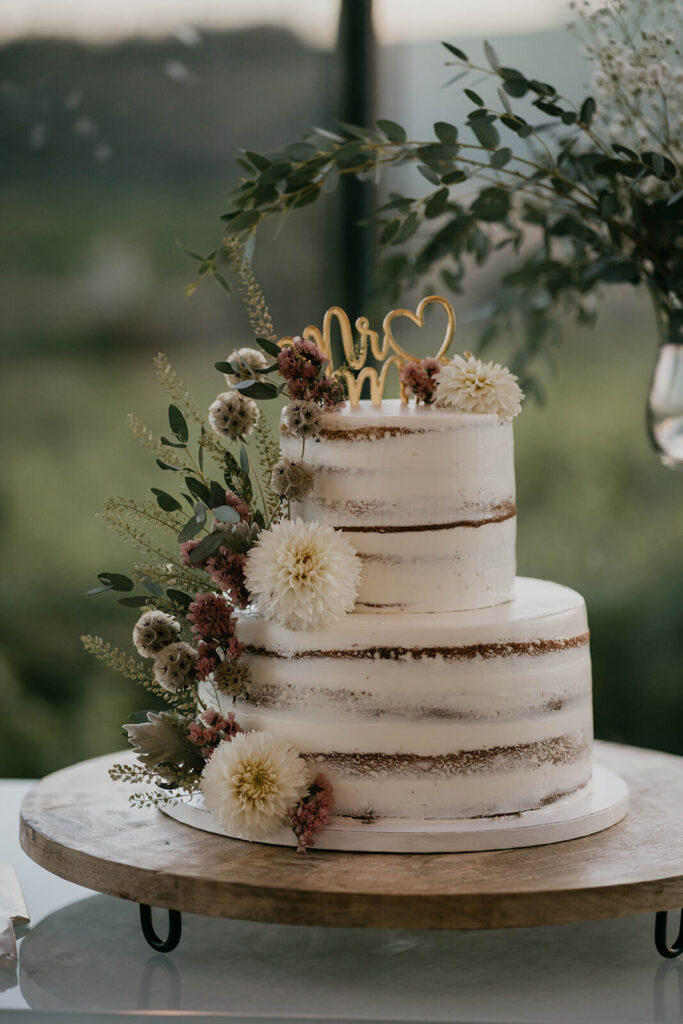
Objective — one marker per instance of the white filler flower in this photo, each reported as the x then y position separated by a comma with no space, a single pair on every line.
468,385
251,782
303,575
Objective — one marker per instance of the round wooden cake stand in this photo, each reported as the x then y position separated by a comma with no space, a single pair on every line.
77,824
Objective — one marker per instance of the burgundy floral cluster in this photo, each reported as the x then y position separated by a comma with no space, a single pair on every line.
418,379
213,623
302,366
312,813
226,568
210,729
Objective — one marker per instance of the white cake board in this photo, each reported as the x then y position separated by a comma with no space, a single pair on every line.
597,806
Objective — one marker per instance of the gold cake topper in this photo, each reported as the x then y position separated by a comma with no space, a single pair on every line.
389,352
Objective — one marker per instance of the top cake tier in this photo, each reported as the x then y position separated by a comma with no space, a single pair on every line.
427,498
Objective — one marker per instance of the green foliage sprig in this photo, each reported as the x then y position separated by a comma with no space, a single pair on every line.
583,206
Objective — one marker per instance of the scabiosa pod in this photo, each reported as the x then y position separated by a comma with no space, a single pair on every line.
233,415
175,667
254,359
292,479
153,631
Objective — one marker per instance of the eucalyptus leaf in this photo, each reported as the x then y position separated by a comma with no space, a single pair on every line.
172,444
456,51
216,495
173,469
501,157
486,134
244,220
475,97
206,547
102,589
226,514
430,175
587,111
257,389
198,489
244,460
116,580
178,423
179,598
271,347
394,132
133,602
446,133
491,56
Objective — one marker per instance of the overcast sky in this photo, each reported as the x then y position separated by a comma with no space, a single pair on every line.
396,20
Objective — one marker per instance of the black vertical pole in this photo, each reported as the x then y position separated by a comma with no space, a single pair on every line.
357,106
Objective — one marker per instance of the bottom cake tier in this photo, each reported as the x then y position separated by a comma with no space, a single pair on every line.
449,715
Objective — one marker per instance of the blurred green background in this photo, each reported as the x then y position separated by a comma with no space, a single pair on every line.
112,153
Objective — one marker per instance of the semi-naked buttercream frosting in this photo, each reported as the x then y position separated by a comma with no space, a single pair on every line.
453,690
444,715
427,498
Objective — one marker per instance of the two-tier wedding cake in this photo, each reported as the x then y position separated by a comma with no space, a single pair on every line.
453,689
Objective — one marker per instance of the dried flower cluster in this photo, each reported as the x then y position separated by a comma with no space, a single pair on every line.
312,814
418,379
302,365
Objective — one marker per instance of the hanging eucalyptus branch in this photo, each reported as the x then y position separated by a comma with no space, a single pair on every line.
578,208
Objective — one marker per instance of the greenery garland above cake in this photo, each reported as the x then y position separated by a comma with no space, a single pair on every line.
239,548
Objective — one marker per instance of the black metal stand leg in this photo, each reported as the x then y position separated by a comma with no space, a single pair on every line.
661,942
175,925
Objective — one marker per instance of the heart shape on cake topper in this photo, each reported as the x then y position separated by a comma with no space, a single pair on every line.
389,353
418,318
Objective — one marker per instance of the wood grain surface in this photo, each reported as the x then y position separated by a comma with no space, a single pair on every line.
78,824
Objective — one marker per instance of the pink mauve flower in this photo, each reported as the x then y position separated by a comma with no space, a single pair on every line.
418,379
312,813
208,660
186,549
226,569
211,728
300,364
211,617
241,507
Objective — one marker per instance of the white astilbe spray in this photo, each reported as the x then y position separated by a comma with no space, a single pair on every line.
251,782
468,385
252,357
303,575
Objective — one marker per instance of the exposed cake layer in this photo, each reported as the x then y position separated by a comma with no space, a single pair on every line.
427,498
447,715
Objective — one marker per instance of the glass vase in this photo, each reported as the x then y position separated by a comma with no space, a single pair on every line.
665,401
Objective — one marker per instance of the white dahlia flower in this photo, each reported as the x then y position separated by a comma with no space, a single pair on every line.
252,357
468,385
250,783
303,575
